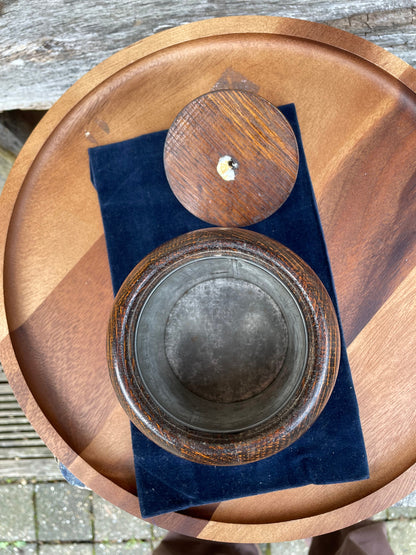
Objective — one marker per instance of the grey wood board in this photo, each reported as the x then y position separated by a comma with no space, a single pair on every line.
41,469
45,46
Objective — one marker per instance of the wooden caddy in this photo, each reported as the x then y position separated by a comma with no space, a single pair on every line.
252,404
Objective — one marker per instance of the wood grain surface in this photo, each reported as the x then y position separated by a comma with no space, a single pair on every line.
306,399
357,111
231,158
41,56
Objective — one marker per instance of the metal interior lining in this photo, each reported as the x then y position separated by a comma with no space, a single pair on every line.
197,328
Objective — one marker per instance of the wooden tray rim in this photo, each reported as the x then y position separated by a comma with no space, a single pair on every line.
235,25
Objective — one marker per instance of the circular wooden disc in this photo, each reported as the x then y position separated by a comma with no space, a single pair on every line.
231,158
356,105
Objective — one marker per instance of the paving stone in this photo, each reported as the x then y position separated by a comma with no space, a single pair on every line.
63,512
382,515
409,501
393,513
67,549
135,548
297,547
18,547
156,542
16,513
402,536
111,523
158,533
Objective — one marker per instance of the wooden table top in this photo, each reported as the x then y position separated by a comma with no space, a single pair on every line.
41,60
357,111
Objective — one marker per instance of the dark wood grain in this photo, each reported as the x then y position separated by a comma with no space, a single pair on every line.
306,401
231,158
348,95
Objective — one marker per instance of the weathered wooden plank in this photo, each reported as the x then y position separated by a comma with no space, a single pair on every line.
7,399
5,392
10,426
41,55
23,443
22,452
9,406
10,435
18,419
26,452
12,413
46,469
394,30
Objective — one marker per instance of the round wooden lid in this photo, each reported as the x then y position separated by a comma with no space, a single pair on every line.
231,158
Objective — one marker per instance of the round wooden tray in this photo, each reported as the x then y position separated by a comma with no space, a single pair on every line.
357,110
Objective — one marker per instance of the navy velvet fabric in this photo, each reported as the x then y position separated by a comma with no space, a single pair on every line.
140,212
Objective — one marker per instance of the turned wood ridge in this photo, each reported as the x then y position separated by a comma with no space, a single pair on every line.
305,401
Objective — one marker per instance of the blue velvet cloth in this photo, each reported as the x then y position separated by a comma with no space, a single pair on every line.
140,212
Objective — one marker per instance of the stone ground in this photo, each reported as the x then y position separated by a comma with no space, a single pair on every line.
54,517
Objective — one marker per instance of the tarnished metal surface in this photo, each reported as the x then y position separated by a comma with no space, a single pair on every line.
221,343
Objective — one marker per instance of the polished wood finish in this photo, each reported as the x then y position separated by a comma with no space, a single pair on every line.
231,158
357,112
305,402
